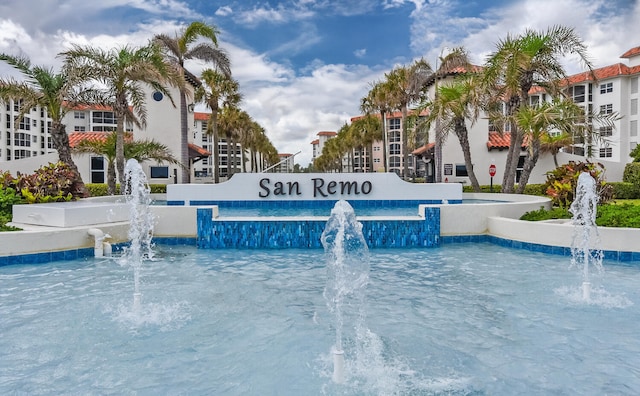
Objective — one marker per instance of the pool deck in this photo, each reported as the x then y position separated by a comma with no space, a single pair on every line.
495,222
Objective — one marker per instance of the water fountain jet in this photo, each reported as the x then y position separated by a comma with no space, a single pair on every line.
347,258
140,223
585,237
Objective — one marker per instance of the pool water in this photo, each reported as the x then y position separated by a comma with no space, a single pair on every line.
462,319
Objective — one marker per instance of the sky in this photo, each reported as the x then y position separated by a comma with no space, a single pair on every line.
304,65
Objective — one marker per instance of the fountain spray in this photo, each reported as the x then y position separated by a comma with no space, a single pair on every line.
585,236
347,258
140,223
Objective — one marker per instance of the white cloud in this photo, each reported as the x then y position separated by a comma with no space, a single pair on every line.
359,53
224,11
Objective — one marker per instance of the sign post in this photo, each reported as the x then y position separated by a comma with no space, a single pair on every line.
492,173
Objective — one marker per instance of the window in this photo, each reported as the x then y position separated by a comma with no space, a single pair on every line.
633,128
394,148
394,124
634,107
634,85
606,152
461,170
104,128
25,124
22,140
606,109
376,148
394,162
394,136
103,117
159,172
577,93
18,154
606,131
606,88
78,115
78,128
97,169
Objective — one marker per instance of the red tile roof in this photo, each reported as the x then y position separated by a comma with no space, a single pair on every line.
198,116
603,73
631,53
75,138
327,133
317,141
502,141
196,151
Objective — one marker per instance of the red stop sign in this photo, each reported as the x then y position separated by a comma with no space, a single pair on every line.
492,170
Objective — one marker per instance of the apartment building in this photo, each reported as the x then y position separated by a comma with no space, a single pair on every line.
609,89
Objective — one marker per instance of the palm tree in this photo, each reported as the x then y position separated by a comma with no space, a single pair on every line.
220,88
454,62
522,62
366,130
377,99
122,71
182,47
142,150
50,91
405,86
553,143
454,104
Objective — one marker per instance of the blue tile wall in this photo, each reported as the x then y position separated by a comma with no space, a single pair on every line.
219,234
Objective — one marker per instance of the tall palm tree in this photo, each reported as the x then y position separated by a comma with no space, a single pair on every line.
182,47
455,103
50,91
521,62
456,61
553,143
366,130
406,85
217,88
141,150
377,99
123,71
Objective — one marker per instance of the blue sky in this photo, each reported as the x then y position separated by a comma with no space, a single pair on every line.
303,65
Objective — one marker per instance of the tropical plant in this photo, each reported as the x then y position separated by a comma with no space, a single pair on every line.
377,100
140,150
562,182
49,90
123,71
454,104
536,121
518,64
217,88
456,61
182,47
405,86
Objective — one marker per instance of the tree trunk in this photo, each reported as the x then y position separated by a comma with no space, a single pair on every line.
529,163
122,104
61,143
385,142
463,136
214,150
405,143
184,140
111,178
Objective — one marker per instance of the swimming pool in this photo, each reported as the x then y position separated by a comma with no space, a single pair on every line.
459,319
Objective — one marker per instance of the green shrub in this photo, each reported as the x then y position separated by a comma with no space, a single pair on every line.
100,189
632,173
8,198
543,214
624,190
625,215
562,182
